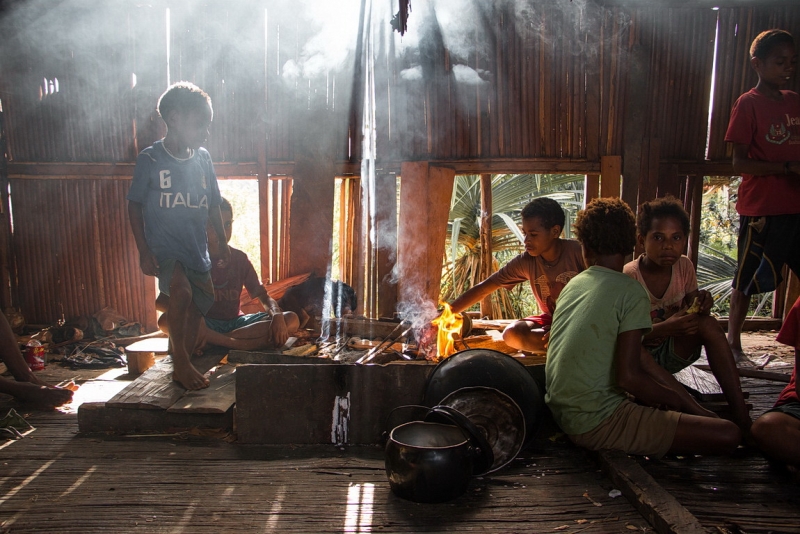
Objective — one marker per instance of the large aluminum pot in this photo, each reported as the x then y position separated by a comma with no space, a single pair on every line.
491,369
428,462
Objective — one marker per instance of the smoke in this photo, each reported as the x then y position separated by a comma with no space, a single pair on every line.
467,75
332,30
412,74
417,311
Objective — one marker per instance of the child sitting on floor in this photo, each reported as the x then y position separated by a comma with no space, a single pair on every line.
595,356
668,277
777,432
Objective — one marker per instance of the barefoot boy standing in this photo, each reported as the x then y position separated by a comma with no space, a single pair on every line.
669,279
173,194
595,356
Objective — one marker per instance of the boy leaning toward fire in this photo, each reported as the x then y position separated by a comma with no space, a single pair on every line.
548,263
764,129
596,361
173,194
668,277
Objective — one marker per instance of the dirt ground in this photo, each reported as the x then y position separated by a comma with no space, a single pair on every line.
761,344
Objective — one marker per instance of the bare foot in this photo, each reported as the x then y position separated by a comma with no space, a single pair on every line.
41,396
739,356
202,341
189,377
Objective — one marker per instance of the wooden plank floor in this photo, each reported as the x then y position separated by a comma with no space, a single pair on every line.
744,493
60,481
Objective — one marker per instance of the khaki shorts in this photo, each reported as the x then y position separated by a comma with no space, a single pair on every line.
633,429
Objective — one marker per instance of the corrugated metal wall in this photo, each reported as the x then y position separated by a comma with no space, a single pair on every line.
549,80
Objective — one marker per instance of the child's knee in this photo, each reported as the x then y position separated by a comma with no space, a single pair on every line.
709,327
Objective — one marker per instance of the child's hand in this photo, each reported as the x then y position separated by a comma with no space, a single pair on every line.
706,301
681,324
148,263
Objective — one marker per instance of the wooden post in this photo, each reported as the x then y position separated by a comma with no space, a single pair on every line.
610,172
6,261
591,188
694,203
311,212
486,239
425,193
386,233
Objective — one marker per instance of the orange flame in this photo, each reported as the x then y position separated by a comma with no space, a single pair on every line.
449,325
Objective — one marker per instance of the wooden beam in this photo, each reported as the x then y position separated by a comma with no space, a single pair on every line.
486,239
425,193
591,188
311,215
247,170
610,173
386,233
655,504
693,204
705,168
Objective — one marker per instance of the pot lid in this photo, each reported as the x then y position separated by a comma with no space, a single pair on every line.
487,368
496,416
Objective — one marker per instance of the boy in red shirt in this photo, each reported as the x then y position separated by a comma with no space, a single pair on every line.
765,131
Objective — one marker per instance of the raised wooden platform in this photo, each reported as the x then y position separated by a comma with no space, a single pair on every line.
154,402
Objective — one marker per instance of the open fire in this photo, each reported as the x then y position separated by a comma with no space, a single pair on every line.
449,326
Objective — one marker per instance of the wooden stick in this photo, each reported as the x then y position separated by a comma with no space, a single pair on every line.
755,373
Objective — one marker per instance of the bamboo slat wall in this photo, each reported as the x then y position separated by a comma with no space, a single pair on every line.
71,257
549,81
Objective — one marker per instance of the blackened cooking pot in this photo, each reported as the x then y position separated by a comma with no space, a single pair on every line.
429,462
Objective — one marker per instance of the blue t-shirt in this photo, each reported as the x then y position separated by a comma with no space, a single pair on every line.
176,195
